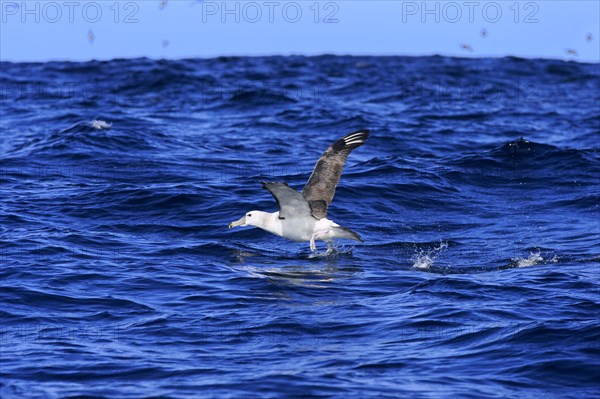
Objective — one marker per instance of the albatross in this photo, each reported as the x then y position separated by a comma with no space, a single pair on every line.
303,216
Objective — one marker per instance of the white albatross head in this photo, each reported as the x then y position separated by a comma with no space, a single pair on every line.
252,218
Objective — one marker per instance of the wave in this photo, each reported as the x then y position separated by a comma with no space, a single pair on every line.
525,161
88,139
65,302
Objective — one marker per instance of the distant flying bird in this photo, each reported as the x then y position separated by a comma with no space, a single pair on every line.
466,47
589,37
570,51
91,37
484,33
303,216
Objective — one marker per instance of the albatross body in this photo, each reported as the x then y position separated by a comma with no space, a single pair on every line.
303,216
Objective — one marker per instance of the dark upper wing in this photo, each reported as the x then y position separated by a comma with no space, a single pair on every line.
291,203
320,188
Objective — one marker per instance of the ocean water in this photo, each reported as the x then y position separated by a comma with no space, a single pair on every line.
477,196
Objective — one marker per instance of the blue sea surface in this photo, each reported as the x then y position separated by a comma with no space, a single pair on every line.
477,196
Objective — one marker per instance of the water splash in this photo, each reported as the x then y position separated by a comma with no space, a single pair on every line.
424,260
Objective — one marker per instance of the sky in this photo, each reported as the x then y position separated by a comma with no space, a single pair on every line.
106,29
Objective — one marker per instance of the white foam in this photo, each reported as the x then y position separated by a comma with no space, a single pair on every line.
534,258
100,124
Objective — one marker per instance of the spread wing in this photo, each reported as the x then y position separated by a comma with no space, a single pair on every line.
291,203
320,188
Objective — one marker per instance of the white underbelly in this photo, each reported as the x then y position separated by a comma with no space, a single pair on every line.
298,229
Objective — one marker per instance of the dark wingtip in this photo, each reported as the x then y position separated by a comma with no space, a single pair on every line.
362,132
352,140
365,131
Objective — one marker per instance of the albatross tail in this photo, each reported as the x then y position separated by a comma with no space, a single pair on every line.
343,232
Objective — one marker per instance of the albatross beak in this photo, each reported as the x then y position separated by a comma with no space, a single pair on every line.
240,222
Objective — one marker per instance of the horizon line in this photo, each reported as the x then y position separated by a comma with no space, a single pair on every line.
315,55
